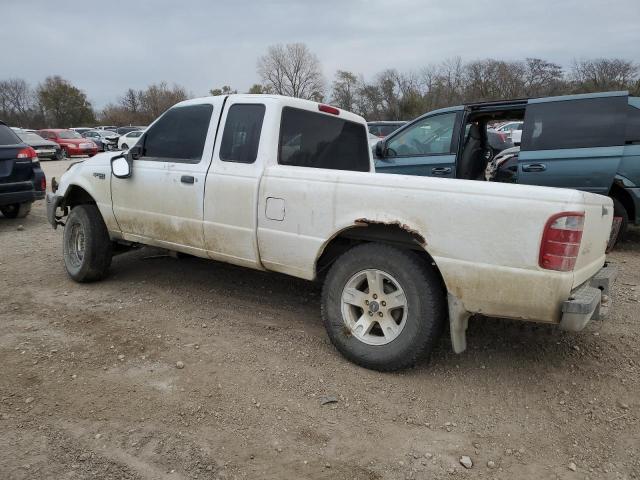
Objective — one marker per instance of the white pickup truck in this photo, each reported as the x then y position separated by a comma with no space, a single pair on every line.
287,185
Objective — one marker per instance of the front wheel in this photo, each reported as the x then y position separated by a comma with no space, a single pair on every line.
87,248
16,210
383,308
124,147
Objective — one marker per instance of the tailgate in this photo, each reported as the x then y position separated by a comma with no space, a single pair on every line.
595,237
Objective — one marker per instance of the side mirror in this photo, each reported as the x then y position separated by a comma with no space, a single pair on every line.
135,152
121,166
379,150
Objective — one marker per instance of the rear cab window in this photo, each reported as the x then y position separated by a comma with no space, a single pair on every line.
319,140
583,123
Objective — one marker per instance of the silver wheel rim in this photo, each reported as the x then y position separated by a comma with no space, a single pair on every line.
75,245
374,307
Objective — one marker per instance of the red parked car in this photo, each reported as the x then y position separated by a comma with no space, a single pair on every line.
72,143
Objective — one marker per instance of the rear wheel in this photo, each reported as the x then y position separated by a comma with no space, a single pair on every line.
16,210
382,307
620,212
87,248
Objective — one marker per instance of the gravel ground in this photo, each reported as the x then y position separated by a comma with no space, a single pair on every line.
184,368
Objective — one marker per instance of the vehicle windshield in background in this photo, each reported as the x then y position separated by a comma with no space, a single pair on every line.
30,137
69,134
8,137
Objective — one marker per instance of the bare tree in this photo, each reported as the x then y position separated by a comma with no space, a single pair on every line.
292,70
159,97
18,105
603,74
344,90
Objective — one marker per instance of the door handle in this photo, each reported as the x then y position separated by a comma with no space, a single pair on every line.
534,167
187,179
441,171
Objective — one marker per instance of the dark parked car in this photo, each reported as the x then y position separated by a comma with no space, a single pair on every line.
588,142
383,128
105,139
22,181
44,148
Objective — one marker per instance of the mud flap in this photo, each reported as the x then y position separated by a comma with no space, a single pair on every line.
458,323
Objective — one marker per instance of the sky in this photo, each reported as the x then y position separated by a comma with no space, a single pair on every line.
107,47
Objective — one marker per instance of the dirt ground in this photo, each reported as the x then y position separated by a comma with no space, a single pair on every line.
90,386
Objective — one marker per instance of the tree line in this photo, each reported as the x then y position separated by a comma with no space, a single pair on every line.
295,71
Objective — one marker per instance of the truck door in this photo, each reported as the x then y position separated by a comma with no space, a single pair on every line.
425,147
162,202
231,200
573,142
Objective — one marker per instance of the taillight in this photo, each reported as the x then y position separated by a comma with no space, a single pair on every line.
27,153
561,241
503,136
328,109
43,183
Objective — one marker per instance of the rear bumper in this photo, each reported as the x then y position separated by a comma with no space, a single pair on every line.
590,301
20,196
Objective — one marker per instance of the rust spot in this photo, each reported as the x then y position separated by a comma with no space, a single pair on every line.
365,222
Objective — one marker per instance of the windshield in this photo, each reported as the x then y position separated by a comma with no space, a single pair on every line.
30,137
69,134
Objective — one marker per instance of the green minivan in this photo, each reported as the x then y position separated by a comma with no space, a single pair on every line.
588,142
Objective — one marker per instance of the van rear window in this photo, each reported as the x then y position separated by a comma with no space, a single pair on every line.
588,123
632,136
318,140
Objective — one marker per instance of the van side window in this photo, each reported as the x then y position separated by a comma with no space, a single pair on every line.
318,140
241,136
180,134
588,123
632,135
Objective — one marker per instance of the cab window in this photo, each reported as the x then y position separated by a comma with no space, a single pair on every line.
318,140
179,135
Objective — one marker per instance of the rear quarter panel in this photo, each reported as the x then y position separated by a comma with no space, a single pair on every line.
484,237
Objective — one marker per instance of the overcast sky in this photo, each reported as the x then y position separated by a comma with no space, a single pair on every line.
106,47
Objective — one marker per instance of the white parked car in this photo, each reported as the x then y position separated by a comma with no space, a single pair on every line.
513,131
128,140
288,185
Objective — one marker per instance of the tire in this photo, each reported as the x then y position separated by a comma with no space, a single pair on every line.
59,155
418,323
86,246
620,211
124,147
16,210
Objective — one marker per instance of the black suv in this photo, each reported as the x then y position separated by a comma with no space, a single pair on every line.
22,181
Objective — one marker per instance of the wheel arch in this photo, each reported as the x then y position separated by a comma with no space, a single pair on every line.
76,195
618,192
394,233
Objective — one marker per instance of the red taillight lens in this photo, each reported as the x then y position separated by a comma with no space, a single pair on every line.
27,153
561,241
43,184
329,109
